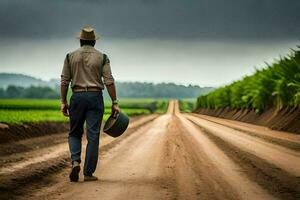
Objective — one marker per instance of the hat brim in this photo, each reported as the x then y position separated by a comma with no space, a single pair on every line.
78,36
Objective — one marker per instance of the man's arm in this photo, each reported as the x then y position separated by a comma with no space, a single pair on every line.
64,107
64,86
110,86
112,93
63,93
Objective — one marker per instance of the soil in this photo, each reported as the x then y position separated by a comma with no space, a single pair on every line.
12,133
171,156
286,119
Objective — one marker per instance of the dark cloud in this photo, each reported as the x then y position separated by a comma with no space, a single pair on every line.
152,18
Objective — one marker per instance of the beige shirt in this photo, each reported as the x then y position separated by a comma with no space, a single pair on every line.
83,68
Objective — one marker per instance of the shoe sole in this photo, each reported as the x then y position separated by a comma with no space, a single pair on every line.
86,180
74,175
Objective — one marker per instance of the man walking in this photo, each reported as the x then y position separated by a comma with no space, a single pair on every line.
88,70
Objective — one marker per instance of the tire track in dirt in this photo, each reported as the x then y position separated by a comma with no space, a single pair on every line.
224,168
282,157
268,176
277,181
285,139
193,175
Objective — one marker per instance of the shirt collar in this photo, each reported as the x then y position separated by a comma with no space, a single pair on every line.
87,46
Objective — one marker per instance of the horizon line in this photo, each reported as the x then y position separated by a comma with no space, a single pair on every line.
121,81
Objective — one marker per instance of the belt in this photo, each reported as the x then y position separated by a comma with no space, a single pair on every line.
86,89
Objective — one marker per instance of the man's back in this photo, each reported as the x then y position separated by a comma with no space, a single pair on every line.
85,67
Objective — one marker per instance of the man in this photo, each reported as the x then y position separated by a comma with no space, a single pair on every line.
85,68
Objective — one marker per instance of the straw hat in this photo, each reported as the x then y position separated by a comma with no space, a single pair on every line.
87,33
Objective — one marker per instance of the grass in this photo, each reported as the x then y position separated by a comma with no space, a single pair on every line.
47,104
22,116
18,111
277,85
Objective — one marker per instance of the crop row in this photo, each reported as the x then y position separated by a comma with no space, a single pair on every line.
277,85
23,116
18,111
42,104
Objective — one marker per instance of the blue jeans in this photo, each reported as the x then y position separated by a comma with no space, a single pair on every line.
89,107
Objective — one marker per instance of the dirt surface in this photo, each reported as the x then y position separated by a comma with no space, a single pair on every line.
12,133
25,165
172,156
286,119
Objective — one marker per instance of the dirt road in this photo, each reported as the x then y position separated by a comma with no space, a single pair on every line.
172,156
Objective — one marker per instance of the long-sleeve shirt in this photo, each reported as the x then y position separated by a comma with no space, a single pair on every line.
84,68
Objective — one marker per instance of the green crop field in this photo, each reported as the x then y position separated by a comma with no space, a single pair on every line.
18,111
276,86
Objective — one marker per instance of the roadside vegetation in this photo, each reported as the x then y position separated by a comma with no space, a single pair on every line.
187,105
276,86
18,111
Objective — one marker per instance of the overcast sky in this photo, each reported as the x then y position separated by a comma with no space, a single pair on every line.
152,18
206,42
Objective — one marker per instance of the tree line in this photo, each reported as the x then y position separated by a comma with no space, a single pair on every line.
32,92
124,90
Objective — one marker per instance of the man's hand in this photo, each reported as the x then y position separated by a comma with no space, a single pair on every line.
115,110
64,108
